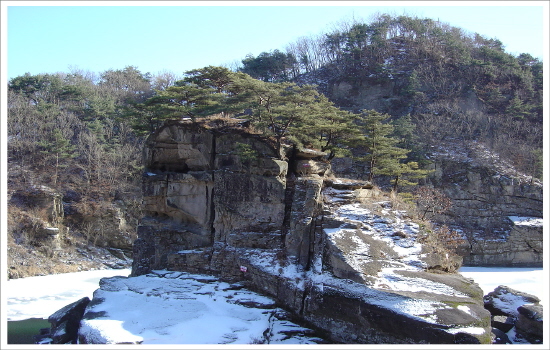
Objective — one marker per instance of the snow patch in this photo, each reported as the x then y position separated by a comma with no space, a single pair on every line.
470,330
390,280
163,308
526,221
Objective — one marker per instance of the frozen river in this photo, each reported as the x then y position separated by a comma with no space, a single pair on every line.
529,280
41,296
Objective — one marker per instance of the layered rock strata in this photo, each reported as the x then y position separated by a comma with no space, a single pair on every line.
498,209
491,202
220,202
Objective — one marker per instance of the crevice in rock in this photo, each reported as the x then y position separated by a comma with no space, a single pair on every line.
316,227
303,301
212,206
310,253
289,192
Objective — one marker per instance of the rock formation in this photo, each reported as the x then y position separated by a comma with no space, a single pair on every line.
46,214
516,315
50,215
498,209
212,208
65,324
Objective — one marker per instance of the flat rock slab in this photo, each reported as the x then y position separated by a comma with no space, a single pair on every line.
181,308
505,301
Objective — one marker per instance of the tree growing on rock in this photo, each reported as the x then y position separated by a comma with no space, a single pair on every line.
329,128
283,111
382,154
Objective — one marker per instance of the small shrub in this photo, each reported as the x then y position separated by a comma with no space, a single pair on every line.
246,152
47,250
431,201
449,238
443,242
282,257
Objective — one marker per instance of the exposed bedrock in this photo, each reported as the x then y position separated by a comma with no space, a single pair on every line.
220,201
499,209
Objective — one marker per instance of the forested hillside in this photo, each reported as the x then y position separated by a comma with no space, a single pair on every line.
454,84
66,131
81,133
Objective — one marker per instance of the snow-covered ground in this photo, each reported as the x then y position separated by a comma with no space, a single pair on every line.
41,296
172,307
199,304
180,308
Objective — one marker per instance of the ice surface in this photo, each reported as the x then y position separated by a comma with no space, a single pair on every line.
524,279
41,296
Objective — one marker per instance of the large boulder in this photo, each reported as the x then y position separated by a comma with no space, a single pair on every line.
517,312
506,301
530,322
65,322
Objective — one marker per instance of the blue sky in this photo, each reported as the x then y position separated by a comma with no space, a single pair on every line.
153,38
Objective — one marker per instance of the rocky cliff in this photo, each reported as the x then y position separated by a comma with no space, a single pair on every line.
47,223
498,209
51,231
219,201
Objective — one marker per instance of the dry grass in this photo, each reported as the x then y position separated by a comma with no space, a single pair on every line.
377,200
441,243
24,261
29,254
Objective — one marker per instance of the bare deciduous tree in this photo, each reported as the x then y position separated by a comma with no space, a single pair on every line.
431,201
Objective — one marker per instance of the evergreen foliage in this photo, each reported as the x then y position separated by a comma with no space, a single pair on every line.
103,119
432,66
70,129
273,66
285,112
382,153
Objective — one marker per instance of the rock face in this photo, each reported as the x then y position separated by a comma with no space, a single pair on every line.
48,223
498,209
105,226
212,208
530,323
515,314
65,322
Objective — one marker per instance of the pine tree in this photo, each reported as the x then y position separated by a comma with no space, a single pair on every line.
382,153
328,128
405,174
58,148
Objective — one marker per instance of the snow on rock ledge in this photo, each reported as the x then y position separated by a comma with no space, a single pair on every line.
282,232
166,307
526,221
